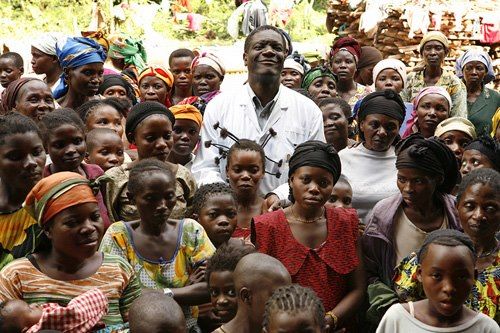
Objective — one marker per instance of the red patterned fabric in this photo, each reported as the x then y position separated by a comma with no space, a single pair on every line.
79,316
241,233
323,269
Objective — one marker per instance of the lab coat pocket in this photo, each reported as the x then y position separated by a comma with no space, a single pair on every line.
295,135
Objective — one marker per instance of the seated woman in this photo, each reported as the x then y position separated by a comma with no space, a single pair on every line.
427,172
320,83
431,106
155,85
370,166
68,262
484,152
82,61
434,47
317,245
456,133
22,159
293,70
208,73
149,127
475,68
163,251
28,96
478,205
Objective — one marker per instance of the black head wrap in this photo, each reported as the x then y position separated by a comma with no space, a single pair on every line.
488,147
316,154
112,80
431,156
385,102
141,111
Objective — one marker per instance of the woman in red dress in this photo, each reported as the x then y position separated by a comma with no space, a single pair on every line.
318,245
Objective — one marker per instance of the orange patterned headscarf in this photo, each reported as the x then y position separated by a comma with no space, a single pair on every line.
187,111
162,73
57,192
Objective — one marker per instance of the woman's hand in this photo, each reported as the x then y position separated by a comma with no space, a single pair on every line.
271,203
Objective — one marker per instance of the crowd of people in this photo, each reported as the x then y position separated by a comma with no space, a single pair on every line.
358,195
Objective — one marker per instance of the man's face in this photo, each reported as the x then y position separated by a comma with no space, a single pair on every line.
265,54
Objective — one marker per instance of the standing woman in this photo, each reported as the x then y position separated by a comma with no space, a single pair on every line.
149,127
116,86
317,245
68,263
344,57
293,71
82,61
476,69
434,47
320,83
208,74
370,56
370,166
44,58
155,85
22,159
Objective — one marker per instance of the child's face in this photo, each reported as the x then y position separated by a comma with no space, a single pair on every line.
66,146
153,137
341,196
186,134
218,218
181,69
283,322
9,72
156,198
107,153
223,295
245,171
105,116
21,314
447,276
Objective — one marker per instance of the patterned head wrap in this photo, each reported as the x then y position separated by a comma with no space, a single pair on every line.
432,90
348,44
475,55
495,121
187,111
160,72
99,37
76,52
209,59
129,49
57,192
315,73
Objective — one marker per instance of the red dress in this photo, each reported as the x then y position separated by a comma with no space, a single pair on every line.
323,269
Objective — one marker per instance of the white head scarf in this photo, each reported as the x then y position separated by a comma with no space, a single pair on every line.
47,42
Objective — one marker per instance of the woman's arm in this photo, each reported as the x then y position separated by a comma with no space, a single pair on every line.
194,294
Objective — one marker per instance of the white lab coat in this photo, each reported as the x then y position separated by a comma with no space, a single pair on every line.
294,118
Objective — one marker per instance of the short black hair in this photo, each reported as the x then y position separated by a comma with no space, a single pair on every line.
95,134
485,176
51,121
16,123
446,237
143,169
293,299
206,191
180,53
343,105
225,258
248,145
86,109
15,57
246,46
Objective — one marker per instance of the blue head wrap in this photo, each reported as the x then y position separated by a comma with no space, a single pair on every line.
475,55
76,52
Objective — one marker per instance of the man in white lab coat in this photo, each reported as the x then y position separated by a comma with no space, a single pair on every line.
256,107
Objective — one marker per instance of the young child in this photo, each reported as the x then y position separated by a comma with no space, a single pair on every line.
186,133
64,139
156,312
80,315
256,277
219,277
103,113
104,148
294,309
11,68
446,271
341,195
214,207
245,169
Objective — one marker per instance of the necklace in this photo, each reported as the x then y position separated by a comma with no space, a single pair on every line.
487,254
298,219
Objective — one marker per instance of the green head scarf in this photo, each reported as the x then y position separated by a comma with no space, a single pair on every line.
129,49
315,73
